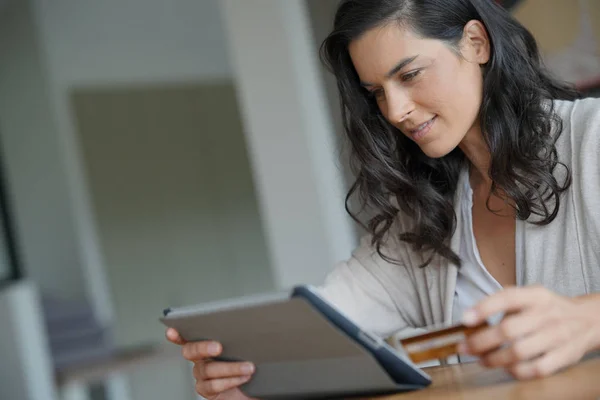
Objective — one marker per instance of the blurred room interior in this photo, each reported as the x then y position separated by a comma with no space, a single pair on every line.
170,153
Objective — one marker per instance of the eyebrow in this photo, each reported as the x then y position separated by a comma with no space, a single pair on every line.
394,70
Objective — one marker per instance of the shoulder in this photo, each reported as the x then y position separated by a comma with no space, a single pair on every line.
370,269
580,135
377,294
580,118
577,110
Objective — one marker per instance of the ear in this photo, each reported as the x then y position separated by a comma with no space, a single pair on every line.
475,42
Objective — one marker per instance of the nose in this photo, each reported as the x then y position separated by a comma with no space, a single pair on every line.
399,106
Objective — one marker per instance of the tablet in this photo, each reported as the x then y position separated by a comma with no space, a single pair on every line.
303,348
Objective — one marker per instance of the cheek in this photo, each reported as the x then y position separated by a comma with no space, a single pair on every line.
471,103
458,96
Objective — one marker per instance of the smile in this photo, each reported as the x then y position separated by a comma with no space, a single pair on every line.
422,130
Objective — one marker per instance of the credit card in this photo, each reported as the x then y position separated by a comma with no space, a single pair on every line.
438,344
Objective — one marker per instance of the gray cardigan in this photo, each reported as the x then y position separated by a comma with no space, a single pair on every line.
563,256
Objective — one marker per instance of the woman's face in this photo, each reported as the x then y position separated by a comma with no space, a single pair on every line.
422,86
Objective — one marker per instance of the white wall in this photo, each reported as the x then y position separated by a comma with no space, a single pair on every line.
111,42
34,160
290,138
48,48
114,41
25,365
322,13
176,211
174,200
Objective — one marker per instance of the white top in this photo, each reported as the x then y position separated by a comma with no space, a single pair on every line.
473,281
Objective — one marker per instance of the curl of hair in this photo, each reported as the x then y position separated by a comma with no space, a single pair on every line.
517,117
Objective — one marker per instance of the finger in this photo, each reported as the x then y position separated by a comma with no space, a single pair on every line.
216,386
507,300
525,349
196,351
509,329
198,370
174,337
219,370
547,364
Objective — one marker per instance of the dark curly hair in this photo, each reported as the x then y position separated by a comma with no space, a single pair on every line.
518,122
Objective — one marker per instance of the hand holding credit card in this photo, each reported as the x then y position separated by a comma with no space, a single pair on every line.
439,343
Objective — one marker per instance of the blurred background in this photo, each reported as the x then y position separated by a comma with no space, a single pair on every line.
162,154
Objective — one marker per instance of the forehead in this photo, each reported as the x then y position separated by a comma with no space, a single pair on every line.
380,49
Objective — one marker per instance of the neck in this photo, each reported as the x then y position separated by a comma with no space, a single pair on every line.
477,152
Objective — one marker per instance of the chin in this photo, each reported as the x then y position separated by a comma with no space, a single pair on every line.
436,150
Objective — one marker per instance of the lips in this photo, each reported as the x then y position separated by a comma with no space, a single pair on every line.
421,127
421,130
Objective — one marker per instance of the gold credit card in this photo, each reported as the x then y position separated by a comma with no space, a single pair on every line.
439,343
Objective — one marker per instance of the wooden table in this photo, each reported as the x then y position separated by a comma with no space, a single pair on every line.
470,381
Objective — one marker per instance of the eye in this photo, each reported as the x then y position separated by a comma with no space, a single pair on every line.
410,75
376,94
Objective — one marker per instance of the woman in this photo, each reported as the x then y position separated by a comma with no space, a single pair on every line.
481,172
